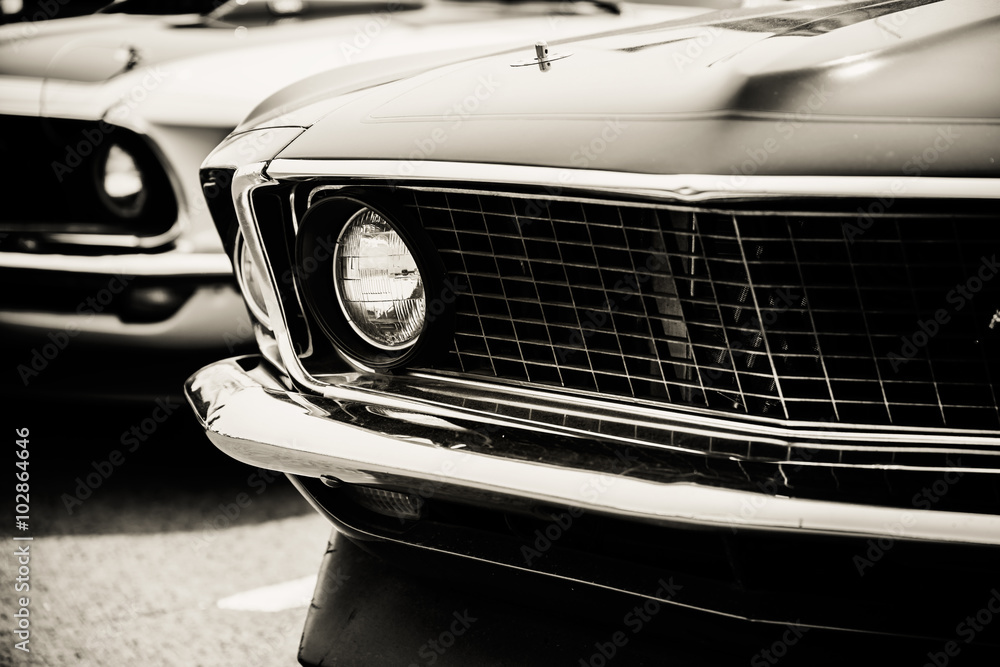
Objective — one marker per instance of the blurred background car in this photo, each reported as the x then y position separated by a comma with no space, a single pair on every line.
105,120
45,10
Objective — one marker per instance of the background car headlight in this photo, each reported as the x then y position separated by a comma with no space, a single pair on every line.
378,282
120,182
251,281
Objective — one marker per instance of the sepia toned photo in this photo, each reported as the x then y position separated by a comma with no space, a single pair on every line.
500,333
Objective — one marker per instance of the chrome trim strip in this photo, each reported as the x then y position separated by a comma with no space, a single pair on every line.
209,265
716,425
251,417
746,424
404,394
585,198
682,187
247,179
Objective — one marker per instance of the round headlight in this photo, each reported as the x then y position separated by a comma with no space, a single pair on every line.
120,182
378,283
372,282
251,281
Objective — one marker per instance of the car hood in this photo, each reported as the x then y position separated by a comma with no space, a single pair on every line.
182,70
95,48
854,88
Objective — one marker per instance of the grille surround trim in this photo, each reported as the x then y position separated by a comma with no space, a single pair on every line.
680,187
250,177
321,296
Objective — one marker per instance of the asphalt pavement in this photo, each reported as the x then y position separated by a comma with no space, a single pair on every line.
148,546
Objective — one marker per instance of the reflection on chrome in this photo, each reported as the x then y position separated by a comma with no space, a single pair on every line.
303,435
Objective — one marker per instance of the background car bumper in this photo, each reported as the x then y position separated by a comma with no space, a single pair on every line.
169,300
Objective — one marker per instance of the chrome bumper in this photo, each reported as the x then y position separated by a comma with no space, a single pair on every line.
361,435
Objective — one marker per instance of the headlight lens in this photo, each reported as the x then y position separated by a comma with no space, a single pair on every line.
121,183
251,282
378,283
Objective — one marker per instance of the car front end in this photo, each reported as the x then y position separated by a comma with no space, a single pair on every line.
731,329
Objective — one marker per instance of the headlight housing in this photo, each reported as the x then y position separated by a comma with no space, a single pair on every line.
369,277
378,282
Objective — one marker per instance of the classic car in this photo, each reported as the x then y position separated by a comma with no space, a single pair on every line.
703,315
109,117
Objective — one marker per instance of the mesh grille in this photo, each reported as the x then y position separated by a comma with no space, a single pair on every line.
841,318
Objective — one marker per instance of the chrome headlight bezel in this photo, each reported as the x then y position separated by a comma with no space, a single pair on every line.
320,235
366,328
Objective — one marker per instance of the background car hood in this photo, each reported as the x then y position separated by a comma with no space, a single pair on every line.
89,48
187,72
839,89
